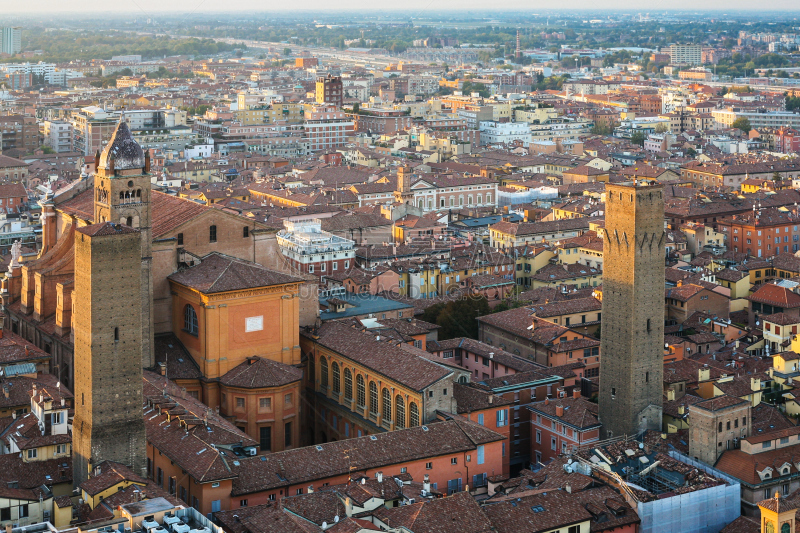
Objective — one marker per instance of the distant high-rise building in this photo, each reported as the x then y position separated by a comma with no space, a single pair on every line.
330,90
11,41
632,356
518,53
691,54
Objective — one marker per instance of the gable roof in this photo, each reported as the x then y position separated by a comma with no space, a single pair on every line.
218,272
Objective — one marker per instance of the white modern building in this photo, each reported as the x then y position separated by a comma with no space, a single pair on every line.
310,250
57,135
504,132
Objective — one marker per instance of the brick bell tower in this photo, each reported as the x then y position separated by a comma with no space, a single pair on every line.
122,194
108,422
632,355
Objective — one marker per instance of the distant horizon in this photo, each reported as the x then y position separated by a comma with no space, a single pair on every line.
39,8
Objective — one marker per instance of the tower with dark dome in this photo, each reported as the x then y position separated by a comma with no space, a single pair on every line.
122,194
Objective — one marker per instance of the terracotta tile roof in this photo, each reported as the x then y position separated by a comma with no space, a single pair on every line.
305,465
194,446
767,419
180,364
775,295
719,403
781,319
110,474
14,350
745,467
168,213
470,398
402,363
476,347
260,373
267,518
218,272
35,473
459,512
539,228
577,412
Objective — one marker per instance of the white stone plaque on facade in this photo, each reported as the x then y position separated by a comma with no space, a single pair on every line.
253,323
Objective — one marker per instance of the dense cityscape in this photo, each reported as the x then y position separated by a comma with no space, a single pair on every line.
413,272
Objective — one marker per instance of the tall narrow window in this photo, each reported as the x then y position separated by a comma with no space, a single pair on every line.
648,325
399,412
180,239
129,222
373,398
413,415
116,334
190,320
323,372
348,384
212,234
387,405
246,232
337,383
361,392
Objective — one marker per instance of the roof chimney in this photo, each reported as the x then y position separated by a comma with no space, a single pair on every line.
379,476
559,410
547,401
576,393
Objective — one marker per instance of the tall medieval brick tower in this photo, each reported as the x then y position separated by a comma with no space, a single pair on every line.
108,422
632,357
122,194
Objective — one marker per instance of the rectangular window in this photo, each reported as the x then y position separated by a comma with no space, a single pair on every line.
265,404
502,417
32,453
480,418
287,400
553,443
287,434
265,438
180,239
212,233
480,455
428,466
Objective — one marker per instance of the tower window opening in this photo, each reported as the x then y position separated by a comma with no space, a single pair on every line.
647,377
648,325
138,193
613,392
116,334
129,221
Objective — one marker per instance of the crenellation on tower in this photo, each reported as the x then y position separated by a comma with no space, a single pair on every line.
631,366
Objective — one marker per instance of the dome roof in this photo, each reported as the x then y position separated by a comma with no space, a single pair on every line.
126,152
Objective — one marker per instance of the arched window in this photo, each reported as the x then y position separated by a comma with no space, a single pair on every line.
399,412
413,415
323,372
337,383
190,320
348,384
138,193
387,405
121,195
373,398
361,392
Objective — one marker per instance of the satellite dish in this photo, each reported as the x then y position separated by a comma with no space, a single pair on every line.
641,445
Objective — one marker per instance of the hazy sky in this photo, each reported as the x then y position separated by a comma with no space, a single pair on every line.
197,6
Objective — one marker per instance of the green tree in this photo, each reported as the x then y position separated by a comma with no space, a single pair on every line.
638,138
458,318
742,123
356,107
662,128
287,51
776,176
